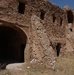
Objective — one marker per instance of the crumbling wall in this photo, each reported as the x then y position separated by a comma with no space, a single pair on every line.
69,32
9,12
42,51
45,24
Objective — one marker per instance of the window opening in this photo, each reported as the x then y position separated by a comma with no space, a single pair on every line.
42,14
70,16
21,7
54,18
61,21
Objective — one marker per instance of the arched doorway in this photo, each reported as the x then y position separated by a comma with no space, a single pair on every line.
12,45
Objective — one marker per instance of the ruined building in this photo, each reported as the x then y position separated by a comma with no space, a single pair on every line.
35,31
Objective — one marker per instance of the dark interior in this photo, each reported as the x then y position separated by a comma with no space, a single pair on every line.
58,46
42,14
54,18
21,7
71,29
70,16
12,45
61,20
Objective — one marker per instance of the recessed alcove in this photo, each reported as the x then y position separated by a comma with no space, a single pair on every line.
12,46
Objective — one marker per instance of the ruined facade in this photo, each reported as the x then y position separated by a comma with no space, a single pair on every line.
35,31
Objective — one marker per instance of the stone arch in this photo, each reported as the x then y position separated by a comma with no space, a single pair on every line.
13,41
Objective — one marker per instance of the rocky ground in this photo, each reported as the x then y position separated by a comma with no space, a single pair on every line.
64,66
4,72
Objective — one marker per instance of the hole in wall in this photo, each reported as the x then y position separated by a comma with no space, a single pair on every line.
42,14
12,46
70,16
71,29
58,46
21,7
54,18
61,20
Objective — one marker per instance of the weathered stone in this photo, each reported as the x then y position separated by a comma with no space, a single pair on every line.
35,31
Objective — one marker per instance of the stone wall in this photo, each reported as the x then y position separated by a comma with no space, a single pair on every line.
45,24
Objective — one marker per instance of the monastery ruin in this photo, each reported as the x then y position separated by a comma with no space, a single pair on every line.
35,31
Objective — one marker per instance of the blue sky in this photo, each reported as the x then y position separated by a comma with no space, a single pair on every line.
63,3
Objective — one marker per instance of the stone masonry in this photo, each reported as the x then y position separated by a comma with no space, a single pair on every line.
45,30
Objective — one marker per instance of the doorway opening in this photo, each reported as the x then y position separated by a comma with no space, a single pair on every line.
58,46
12,46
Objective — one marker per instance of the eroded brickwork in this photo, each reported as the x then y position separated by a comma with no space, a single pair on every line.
49,28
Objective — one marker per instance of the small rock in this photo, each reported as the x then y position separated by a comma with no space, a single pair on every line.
28,67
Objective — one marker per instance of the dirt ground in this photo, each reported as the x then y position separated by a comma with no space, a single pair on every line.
4,72
63,66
